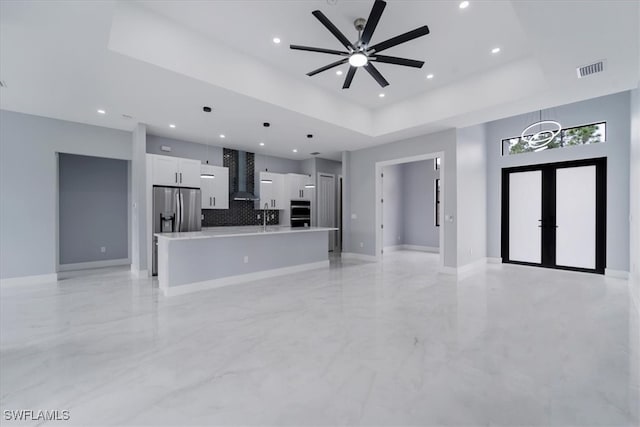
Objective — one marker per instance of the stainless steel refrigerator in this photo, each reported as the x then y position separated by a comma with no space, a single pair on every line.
174,210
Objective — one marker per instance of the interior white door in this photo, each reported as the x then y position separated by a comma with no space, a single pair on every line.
327,205
525,212
576,217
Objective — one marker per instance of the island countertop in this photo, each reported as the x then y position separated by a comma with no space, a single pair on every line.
251,230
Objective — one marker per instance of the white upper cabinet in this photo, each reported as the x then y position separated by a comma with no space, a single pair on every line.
174,171
296,187
215,187
189,173
272,191
165,170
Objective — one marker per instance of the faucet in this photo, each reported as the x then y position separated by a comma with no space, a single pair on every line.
265,212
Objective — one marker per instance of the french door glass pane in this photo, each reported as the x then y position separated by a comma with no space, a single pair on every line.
576,217
525,208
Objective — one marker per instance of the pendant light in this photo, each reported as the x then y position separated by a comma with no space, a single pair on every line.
265,125
207,175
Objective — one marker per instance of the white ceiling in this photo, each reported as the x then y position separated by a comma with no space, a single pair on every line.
161,61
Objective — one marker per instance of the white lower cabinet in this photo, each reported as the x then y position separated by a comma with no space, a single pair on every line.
214,182
272,192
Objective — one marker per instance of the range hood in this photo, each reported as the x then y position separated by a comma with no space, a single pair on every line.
242,175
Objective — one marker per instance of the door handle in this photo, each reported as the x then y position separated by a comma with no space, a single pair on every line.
176,177
214,201
209,201
180,177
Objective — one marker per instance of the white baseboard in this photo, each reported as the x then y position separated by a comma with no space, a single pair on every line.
241,278
494,260
421,248
393,248
360,257
93,264
448,270
617,274
29,280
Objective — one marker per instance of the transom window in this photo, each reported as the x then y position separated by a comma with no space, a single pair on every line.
579,135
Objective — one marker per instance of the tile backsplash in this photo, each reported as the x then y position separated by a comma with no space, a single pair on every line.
240,212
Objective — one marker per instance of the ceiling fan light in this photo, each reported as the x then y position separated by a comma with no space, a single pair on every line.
358,60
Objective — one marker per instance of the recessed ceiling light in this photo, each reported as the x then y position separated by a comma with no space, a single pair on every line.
381,95
429,76
222,136
102,112
262,144
464,5
172,126
295,150
339,72
495,50
276,40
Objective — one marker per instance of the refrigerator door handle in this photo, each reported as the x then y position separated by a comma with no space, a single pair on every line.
181,210
177,212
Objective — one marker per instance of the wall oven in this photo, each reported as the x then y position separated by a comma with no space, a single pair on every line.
300,213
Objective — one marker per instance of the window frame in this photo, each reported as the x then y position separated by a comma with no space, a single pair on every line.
505,141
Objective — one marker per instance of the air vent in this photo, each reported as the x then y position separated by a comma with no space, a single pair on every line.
315,153
587,70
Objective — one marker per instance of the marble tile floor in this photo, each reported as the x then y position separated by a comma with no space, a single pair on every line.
392,343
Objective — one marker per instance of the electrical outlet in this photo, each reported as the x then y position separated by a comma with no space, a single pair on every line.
103,249
354,216
202,217
470,251
246,259
362,244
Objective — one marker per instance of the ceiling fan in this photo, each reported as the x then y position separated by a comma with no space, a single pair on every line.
360,54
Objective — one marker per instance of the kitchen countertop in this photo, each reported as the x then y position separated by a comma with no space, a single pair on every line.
250,230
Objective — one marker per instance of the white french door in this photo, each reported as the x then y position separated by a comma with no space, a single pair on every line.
554,215
576,217
525,208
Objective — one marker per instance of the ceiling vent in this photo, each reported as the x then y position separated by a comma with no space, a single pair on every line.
587,70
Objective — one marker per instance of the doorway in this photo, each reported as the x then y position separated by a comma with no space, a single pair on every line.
431,213
326,191
554,215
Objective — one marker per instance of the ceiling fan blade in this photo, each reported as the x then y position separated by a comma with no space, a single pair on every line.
318,49
328,67
372,22
402,38
334,30
398,61
376,74
349,78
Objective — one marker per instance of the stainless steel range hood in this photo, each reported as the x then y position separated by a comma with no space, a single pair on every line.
241,192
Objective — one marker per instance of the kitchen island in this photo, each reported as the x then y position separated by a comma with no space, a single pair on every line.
221,256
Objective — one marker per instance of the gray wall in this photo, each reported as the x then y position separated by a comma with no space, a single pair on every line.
471,156
361,188
615,110
393,206
93,208
185,149
635,191
28,184
418,216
